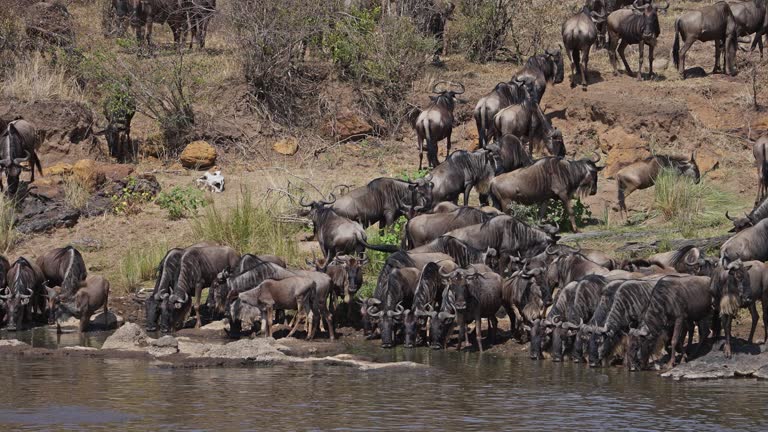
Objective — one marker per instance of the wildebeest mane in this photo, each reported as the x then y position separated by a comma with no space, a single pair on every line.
168,270
389,191
247,262
586,298
563,302
677,257
472,164
663,304
194,265
252,277
71,262
428,289
24,276
629,302
760,212
513,97
521,237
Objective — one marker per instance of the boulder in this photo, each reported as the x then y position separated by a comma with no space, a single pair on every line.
130,337
58,169
97,321
59,123
114,172
623,149
50,23
286,146
41,214
198,154
163,346
346,125
88,174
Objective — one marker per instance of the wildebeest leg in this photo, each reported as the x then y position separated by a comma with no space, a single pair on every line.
198,294
726,319
543,210
622,49
574,68
567,204
650,61
612,43
299,308
753,312
640,48
683,52
421,152
677,334
584,62
493,324
448,148
467,190
718,49
479,331
765,319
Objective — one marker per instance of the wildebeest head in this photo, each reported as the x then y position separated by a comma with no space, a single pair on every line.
457,284
738,282
446,98
690,168
640,347
172,310
220,291
316,206
387,318
442,322
410,328
354,268
52,302
13,155
590,180
651,28
556,57
15,304
421,194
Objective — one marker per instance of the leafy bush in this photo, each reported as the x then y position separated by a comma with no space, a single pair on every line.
482,27
181,202
413,175
247,229
128,201
139,264
556,214
391,236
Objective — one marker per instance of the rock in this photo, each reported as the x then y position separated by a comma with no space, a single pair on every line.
163,346
286,146
346,125
623,149
198,154
96,322
41,214
130,337
747,361
50,23
58,169
114,172
660,64
59,123
215,325
80,348
11,343
88,174
260,350
153,146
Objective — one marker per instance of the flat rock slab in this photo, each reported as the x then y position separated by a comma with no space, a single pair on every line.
747,361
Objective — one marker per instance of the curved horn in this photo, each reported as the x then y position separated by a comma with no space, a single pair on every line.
332,196
688,260
301,203
445,315
548,252
664,8
635,6
446,275
18,161
374,314
462,88
434,87
399,309
598,157
27,295
5,296
730,218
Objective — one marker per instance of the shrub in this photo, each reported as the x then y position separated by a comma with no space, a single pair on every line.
76,195
556,214
8,234
181,202
140,263
686,204
482,27
247,229
128,200
391,236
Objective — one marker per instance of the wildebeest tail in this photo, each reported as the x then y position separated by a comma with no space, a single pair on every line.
37,164
481,132
407,242
676,44
764,170
380,248
577,60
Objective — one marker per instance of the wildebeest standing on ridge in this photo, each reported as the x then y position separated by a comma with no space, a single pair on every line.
579,34
760,152
639,25
435,123
540,70
502,96
751,17
459,173
18,144
710,23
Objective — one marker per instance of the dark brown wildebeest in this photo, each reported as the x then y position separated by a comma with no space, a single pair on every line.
424,228
526,120
757,214
346,273
459,173
579,34
502,96
435,123
63,267
731,288
747,245
541,331
293,293
18,144
546,179
509,154
751,17
91,295
683,260
542,69
710,23
386,307
676,302
636,26
642,174
323,294
336,234
23,299
384,200
198,269
144,13
760,152
200,16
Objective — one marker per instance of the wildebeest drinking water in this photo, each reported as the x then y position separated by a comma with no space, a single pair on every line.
18,144
92,295
63,267
24,297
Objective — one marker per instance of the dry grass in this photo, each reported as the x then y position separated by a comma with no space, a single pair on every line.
8,234
76,194
33,79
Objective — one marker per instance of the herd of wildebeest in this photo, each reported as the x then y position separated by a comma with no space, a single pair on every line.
457,265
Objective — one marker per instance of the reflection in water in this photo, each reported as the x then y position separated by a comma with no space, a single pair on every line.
460,391
46,337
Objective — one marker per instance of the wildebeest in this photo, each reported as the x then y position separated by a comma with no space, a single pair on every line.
758,286
293,293
346,273
435,123
525,299
459,173
543,328
198,269
751,17
426,303
676,301
579,34
730,288
683,260
24,297
63,267
757,214
476,295
709,23
336,234
144,13
642,174
425,228
760,151
526,120
588,332
546,179
322,294
383,200
749,244
638,26
542,69
388,304
92,294
502,96
18,144
509,154
119,111
199,17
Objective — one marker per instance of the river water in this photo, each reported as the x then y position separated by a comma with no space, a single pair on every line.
459,391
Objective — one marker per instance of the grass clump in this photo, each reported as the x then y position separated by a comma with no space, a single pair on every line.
247,229
139,263
8,234
686,204
76,194
181,202
33,79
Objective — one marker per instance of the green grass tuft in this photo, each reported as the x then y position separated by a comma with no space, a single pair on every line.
139,264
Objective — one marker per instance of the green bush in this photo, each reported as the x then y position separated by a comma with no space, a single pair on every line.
128,200
391,236
482,27
556,214
181,202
